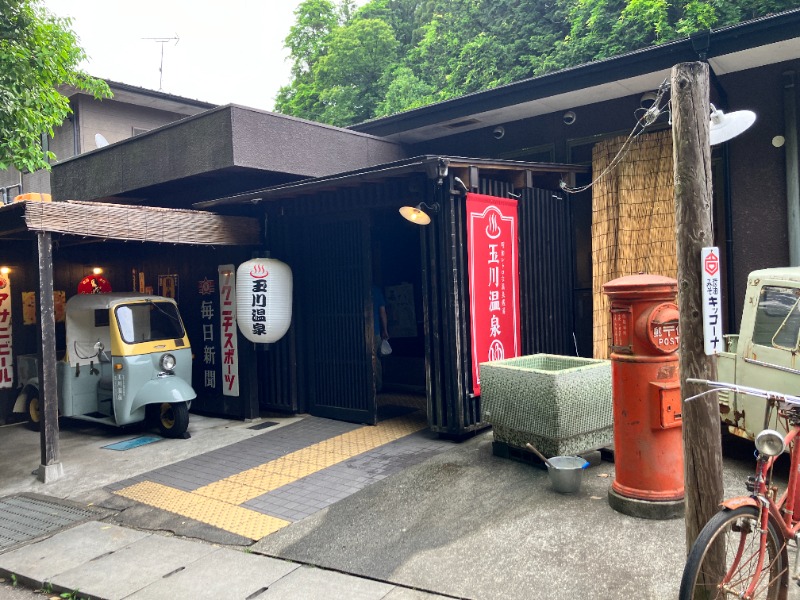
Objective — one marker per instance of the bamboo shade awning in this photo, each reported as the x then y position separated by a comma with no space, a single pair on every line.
141,223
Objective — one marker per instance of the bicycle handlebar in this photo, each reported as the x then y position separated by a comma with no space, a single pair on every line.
742,389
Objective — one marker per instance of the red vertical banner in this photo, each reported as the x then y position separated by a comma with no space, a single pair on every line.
493,257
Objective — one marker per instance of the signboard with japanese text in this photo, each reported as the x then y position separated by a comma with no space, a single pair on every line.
94,284
712,312
401,311
493,263
168,286
6,354
208,317
228,330
29,307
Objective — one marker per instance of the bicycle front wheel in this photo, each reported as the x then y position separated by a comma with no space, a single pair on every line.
723,560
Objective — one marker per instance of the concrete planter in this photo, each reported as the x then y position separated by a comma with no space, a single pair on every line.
560,404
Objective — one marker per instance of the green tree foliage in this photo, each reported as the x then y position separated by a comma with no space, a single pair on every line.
351,73
38,53
393,55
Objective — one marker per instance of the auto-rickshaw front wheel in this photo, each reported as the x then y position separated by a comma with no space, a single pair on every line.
172,418
32,408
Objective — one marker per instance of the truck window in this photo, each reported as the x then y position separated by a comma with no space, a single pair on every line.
777,318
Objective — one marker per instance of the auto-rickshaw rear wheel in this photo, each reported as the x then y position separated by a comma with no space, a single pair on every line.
32,408
172,418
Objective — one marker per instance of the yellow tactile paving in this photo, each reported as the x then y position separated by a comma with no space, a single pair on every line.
229,492
262,479
218,503
238,520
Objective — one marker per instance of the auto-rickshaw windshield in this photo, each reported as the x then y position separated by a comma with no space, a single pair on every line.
148,321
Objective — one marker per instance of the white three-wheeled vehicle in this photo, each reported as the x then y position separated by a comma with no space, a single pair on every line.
127,360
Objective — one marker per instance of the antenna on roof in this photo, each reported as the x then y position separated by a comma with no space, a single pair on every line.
162,41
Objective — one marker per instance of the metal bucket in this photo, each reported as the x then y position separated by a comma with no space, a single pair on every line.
566,473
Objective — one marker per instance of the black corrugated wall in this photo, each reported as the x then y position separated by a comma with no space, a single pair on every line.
546,285
325,239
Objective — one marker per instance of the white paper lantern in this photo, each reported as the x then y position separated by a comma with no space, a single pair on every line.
263,299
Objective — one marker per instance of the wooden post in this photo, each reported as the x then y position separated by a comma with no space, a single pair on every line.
702,446
50,468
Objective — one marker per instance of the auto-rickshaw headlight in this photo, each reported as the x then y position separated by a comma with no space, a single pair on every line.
167,362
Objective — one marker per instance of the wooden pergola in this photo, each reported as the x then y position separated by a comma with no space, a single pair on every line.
31,220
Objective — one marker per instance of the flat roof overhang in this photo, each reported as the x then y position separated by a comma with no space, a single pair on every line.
221,151
103,221
755,43
525,174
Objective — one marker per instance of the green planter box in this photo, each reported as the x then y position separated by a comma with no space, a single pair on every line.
560,404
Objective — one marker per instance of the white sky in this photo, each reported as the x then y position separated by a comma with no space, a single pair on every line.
229,50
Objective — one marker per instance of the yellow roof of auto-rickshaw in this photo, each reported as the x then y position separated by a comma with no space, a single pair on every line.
110,300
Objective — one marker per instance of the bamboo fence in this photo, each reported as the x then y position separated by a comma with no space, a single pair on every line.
633,220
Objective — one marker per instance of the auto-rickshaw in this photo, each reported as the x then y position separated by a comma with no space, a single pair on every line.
127,360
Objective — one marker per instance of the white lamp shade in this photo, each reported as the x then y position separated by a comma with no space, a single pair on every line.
263,299
727,126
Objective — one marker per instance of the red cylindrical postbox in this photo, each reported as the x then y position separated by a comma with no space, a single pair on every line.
648,445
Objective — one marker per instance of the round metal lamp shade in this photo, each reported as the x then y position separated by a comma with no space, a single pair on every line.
727,126
415,215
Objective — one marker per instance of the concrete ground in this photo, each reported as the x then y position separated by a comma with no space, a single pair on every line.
462,523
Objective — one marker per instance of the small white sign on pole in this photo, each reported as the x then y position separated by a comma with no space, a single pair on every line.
712,304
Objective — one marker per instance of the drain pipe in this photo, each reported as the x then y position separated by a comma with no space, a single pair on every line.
729,272
792,182
76,142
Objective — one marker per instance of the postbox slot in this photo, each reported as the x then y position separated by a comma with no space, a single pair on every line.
622,329
665,405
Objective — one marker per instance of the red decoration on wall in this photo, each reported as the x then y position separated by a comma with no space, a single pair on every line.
94,284
493,257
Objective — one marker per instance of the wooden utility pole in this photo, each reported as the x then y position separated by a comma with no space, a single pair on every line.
50,468
702,447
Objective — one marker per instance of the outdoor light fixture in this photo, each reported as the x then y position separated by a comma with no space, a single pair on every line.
725,127
770,442
97,270
415,214
5,270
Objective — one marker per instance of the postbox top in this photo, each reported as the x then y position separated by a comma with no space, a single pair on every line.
642,282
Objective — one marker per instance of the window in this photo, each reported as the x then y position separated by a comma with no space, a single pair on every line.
101,317
148,322
777,318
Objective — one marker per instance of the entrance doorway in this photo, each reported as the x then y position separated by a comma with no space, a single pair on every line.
338,261
396,260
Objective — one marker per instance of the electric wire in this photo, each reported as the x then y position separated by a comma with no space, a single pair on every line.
649,117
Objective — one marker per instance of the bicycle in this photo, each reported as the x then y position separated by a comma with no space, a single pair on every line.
742,551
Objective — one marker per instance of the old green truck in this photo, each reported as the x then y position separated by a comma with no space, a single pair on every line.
765,352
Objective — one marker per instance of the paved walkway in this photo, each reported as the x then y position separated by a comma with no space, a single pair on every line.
452,521
108,562
249,488
258,486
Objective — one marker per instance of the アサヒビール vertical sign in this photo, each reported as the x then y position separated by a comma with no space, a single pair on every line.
712,314
493,257
6,355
